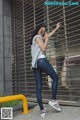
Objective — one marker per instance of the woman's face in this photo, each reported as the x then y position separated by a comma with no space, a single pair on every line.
42,31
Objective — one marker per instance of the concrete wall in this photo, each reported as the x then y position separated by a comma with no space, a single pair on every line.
5,48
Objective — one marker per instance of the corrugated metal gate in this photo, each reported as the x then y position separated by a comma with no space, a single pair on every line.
63,50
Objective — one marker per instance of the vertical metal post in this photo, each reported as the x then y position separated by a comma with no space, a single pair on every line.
47,17
65,29
66,43
34,14
24,45
47,10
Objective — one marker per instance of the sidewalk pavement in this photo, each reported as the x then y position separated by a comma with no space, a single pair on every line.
67,113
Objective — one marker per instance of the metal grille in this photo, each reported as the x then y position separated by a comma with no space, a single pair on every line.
63,50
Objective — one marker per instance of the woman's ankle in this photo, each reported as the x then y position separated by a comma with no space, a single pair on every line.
53,100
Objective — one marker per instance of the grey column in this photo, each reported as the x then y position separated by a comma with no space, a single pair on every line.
1,50
5,48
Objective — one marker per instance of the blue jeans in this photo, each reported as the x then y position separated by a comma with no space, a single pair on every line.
43,65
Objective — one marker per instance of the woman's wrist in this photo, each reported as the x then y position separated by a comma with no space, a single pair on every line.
46,39
56,29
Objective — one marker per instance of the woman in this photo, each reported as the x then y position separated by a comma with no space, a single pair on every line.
40,64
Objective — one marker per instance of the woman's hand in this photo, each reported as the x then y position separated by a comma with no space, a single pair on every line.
58,25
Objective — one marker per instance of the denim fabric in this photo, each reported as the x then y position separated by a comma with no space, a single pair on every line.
43,65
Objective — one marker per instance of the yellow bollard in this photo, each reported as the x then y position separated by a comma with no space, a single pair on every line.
17,97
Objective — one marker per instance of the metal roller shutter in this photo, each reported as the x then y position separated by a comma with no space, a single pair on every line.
63,50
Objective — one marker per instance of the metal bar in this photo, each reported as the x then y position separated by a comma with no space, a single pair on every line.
17,97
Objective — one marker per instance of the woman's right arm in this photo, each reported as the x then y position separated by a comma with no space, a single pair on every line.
43,45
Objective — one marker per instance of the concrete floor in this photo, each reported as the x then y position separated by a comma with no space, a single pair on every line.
68,113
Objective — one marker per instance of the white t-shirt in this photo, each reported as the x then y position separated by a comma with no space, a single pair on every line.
36,51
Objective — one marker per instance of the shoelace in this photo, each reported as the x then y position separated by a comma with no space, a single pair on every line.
56,105
43,111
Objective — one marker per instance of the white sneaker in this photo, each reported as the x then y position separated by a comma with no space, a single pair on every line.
55,105
43,112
